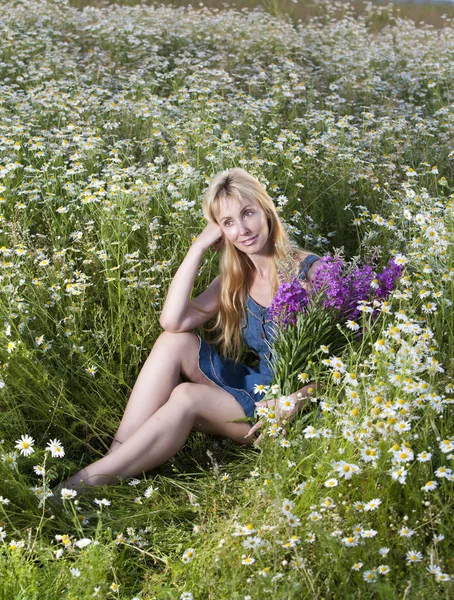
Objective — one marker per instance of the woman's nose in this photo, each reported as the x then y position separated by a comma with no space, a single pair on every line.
243,228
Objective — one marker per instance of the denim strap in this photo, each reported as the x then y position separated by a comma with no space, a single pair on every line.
306,264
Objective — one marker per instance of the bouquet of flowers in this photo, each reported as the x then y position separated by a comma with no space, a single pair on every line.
322,318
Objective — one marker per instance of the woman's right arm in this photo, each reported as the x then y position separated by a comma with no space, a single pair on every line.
179,312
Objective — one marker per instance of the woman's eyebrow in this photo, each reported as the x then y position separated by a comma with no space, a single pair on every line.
247,206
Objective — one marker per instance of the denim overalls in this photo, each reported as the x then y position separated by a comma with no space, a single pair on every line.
240,380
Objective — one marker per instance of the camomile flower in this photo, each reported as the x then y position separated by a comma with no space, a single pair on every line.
357,566
350,541
352,325
430,486
260,388
188,555
39,470
303,377
56,448
300,489
287,506
406,532
150,491
331,483
68,494
372,504
261,411
351,379
369,576
293,520
25,445
103,502
286,403
413,556
346,470
248,560
383,569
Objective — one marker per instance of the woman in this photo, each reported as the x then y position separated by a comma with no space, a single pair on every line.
161,412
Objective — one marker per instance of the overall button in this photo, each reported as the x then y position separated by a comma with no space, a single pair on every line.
262,335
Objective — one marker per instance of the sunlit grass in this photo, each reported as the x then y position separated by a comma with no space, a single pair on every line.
113,120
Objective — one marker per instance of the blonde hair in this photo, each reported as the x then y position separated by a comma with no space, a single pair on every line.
236,267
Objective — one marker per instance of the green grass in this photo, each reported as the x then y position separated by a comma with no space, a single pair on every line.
113,120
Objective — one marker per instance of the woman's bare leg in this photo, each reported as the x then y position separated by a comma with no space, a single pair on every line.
191,407
172,355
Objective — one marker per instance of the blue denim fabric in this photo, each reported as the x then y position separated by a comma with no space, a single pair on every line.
257,329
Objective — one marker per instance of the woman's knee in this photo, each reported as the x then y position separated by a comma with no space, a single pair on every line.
185,397
175,340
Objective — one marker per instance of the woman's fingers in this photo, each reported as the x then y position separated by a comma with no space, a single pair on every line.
253,429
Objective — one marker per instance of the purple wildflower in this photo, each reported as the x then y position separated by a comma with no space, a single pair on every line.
337,289
291,299
388,278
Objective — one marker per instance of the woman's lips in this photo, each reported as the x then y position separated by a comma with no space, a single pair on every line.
250,241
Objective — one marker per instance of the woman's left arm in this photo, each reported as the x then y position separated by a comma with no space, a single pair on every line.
299,399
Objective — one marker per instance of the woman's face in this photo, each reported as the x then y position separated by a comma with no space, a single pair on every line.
244,224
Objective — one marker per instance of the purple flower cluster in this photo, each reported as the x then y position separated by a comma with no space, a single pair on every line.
291,299
387,278
339,288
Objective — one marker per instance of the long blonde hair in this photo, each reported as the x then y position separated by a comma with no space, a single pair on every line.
235,267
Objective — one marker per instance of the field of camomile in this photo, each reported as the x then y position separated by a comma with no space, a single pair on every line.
113,120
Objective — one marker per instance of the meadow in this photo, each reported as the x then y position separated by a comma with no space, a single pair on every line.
113,120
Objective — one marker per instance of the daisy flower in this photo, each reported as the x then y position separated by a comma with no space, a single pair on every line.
350,541
25,445
300,488
188,555
248,560
149,491
430,486
352,325
287,507
260,388
303,377
56,448
286,403
406,532
413,556
383,569
39,470
68,494
369,576
103,502
372,504
331,483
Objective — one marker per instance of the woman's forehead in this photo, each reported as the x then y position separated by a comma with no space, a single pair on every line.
227,206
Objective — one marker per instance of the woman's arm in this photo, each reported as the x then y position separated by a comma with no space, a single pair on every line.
179,312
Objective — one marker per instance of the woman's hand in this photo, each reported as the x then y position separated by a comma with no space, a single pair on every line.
280,415
212,235
284,408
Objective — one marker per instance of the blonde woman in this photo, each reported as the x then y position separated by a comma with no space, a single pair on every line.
217,390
